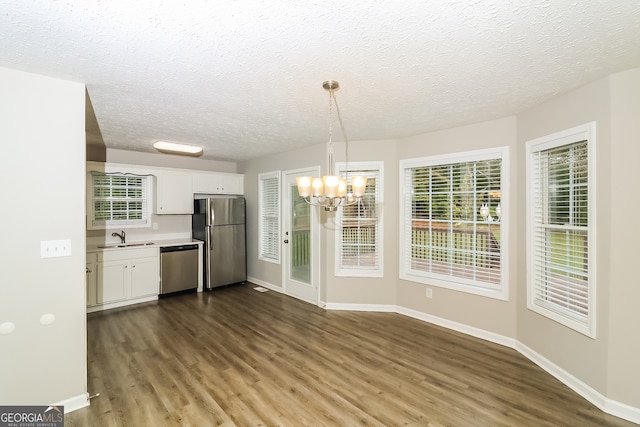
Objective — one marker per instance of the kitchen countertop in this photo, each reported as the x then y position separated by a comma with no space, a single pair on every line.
156,244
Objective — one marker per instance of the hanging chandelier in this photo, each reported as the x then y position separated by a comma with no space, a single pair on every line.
330,191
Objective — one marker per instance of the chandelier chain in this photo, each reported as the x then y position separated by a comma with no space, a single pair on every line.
331,99
344,133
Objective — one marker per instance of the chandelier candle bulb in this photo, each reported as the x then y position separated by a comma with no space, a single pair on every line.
342,187
304,185
331,183
317,187
358,184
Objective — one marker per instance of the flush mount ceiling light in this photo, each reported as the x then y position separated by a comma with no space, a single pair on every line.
330,191
176,148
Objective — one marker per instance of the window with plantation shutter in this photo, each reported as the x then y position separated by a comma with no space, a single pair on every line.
269,221
359,226
119,201
453,221
560,225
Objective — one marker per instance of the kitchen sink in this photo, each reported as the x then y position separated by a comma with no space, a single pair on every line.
126,245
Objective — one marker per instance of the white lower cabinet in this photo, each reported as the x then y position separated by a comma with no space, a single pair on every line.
125,276
113,281
145,278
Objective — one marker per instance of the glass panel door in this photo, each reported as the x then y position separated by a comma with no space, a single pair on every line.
300,239
301,253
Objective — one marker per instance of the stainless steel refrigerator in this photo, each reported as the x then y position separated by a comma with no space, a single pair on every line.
219,221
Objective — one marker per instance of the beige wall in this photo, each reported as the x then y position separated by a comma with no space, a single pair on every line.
43,188
607,364
332,289
623,346
315,155
581,356
43,118
488,314
369,290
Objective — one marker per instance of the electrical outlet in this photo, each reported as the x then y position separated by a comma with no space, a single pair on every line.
429,293
55,248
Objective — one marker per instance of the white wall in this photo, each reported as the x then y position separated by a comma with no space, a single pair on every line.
165,160
43,191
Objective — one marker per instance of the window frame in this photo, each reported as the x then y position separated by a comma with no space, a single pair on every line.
368,169
273,237
583,324
497,291
146,200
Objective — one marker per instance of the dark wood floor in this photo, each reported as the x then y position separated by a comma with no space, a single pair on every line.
236,356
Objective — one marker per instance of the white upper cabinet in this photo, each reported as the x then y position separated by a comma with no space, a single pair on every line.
174,192
173,188
218,183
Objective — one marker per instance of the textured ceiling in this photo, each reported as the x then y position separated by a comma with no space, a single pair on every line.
244,78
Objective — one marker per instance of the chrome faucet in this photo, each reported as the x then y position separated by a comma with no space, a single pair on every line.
121,235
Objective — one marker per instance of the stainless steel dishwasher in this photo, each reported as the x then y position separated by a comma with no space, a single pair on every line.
178,268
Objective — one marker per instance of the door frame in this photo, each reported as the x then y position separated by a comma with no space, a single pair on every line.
314,219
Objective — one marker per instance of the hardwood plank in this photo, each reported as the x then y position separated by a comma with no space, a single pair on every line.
237,357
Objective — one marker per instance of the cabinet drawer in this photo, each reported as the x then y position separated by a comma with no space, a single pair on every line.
125,254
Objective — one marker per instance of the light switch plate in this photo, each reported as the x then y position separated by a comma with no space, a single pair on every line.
55,248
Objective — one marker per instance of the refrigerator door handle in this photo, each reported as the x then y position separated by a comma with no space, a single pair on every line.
208,241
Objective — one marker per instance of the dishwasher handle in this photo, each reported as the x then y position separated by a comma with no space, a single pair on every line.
164,249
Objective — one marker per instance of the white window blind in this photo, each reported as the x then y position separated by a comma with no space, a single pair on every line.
269,221
359,227
447,238
119,200
560,284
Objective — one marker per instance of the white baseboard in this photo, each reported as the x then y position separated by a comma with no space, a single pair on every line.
74,403
265,284
459,327
605,404
609,406
278,289
621,410
124,303
361,307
